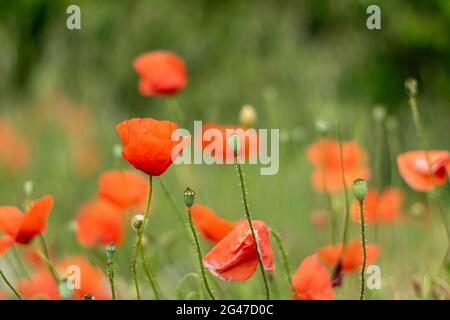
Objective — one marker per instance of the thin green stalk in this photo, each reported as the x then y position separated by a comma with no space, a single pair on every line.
347,205
138,245
5,279
284,257
11,264
50,265
249,220
111,273
172,202
199,254
149,275
363,238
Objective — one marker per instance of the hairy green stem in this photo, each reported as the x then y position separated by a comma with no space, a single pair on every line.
199,255
363,238
249,220
149,275
111,273
5,279
46,254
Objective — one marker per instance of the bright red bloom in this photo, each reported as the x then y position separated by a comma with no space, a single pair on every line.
24,227
210,225
92,279
148,144
126,188
235,257
312,281
325,157
423,169
352,259
41,285
161,73
99,222
221,150
379,207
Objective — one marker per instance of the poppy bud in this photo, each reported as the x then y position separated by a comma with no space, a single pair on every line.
247,116
322,127
235,143
360,189
64,290
189,196
110,250
28,188
411,87
117,151
418,209
137,222
89,296
379,113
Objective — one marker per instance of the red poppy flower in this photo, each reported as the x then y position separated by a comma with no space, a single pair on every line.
24,227
221,150
312,281
161,73
92,279
325,157
148,144
235,257
352,259
14,152
99,222
379,207
210,225
34,258
41,285
421,175
126,188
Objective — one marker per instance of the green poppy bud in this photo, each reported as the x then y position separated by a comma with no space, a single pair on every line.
360,189
189,197
110,250
235,143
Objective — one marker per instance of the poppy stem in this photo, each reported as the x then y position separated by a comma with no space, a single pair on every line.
347,205
249,219
46,257
3,276
138,247
199,254
363,238
284,257
147,272
111,278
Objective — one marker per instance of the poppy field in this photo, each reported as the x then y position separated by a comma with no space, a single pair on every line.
202,151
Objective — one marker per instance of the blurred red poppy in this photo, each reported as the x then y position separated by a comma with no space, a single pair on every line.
318,218
382,207
41,285
24,227
352,258
14,151
312,281
99,222
221,150
325,157
210,225
6,241
420,174
235,257
148,144
92,279
127,189
161,73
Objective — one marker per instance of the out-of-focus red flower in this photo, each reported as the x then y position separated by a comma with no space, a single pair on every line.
92,279
210,225
312,281
221,149
99,222
33,257
24,227
148,144
352,258
318,218
41,285
14,151
382,207
422,169
6,241
161,73
325,157
125,188
235,257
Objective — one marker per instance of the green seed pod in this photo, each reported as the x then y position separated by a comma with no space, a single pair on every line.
64,290
89,296
110,250
189,197
411,87
137,222
322,127
360,189
235,143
